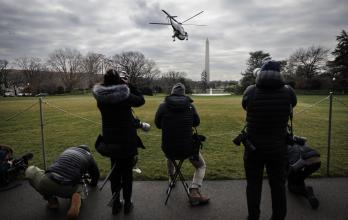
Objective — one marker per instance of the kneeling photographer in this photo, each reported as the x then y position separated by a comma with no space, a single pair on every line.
176,116
65,178
303,161
115,98
268,105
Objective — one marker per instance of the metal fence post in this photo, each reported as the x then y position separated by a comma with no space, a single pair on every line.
42,133
329,136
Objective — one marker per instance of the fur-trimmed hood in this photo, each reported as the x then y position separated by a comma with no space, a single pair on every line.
110,94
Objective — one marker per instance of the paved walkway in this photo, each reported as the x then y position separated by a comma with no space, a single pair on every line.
227,202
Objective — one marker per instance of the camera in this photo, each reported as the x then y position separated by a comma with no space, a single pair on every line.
21,163
243,138
142,125
293,139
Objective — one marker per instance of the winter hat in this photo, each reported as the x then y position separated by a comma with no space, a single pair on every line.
271,65
178,89
269,76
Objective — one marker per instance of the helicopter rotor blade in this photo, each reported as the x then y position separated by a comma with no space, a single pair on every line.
159,23
192,16
196,24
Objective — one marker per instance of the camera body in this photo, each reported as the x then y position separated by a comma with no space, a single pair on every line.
21,163
142,125
243,138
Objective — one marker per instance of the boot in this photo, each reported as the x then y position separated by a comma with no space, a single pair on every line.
196,198
313,201
116,206
75,206
128,207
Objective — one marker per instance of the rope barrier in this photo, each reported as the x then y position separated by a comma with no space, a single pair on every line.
21,112
340,101
154,135
69,113
208,136
318,102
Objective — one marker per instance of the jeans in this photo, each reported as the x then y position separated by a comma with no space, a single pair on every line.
200,167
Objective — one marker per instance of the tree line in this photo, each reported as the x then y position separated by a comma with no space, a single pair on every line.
307,68
66,70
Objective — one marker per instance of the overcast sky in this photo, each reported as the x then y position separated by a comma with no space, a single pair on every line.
35,28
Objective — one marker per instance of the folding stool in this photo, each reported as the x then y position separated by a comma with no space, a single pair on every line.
177,174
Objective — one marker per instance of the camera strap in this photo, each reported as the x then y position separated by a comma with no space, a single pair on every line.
291,117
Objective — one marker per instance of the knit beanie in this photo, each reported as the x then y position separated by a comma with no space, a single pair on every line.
178,89
269,76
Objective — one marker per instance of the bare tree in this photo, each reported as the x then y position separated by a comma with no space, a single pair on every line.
170,78
309,62
137,66
93,64
68,62
3,75
32,68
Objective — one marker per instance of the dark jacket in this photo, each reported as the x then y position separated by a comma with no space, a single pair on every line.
268,105
115,104
72,164
176,116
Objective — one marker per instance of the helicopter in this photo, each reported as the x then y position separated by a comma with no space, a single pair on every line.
178,30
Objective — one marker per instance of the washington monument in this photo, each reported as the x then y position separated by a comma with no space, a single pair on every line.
207,71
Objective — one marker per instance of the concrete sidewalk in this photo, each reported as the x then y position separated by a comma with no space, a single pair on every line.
228,201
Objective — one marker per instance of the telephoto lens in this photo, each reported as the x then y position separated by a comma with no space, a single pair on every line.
145,126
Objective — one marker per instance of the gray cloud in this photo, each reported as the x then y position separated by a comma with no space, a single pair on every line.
235,28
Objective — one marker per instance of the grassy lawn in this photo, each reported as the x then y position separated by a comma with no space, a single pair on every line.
221,120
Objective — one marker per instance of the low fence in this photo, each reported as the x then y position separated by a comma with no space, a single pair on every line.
324,125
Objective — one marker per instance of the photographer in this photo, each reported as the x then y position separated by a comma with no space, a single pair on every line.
268,105
64,178
10,167
115,99
303,161
176,116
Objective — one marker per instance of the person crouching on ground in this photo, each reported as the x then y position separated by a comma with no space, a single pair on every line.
64,178
176,116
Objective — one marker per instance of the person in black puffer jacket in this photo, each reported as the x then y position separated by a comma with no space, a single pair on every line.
64,178
176,116
268,105
115,99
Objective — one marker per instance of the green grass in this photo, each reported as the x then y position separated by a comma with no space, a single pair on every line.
221,120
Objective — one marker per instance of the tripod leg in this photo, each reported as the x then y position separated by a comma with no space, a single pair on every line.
107,177
114,196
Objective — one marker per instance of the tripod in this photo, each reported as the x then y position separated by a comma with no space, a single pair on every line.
115,194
